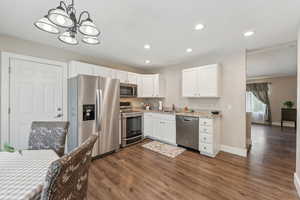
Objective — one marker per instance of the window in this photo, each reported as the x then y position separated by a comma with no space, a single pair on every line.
255,106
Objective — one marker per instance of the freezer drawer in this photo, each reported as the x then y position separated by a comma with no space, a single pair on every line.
187,131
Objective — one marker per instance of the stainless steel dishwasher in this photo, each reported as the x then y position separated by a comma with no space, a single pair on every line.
187,132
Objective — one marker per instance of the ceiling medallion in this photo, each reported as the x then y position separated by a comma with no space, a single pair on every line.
62,20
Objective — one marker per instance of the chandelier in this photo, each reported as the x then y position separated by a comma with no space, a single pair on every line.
62,20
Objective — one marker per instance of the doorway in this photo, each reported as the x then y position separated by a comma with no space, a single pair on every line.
271,91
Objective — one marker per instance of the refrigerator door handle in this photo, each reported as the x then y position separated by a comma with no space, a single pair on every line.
97,110
101,106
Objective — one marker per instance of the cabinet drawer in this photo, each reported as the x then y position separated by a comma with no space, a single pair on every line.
207,148
148,115
206,129
205,122
168,117
206,138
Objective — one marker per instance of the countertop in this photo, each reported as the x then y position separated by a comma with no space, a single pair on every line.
202,114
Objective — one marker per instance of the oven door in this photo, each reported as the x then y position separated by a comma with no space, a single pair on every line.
128,90
133,126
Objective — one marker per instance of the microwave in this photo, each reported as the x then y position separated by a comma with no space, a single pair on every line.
128,90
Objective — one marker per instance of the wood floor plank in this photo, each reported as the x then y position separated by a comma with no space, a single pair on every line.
137,173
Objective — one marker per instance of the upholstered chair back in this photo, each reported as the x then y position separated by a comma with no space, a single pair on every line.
48,135
67,177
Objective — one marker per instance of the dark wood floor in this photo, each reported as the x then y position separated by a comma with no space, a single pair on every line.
136,173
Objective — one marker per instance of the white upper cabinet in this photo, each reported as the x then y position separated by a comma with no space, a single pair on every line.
202,81
103,71
189,80
147,86
140,85
132,78
150,86
158,87
122,76
76,68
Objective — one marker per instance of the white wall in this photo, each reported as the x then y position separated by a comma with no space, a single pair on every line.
19,46
232,102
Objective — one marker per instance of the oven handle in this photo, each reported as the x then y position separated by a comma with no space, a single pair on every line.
135,91
128,115
133,137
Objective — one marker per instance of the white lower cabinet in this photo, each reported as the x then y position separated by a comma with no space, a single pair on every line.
209,136
160,126
148,125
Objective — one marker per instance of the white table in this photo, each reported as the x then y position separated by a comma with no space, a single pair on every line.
22,175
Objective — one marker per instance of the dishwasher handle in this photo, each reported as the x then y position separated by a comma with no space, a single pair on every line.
187,119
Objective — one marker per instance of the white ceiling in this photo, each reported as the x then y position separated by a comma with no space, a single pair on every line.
167,25
277,61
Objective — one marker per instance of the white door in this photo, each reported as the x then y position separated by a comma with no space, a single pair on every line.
148,86
36,94
189,80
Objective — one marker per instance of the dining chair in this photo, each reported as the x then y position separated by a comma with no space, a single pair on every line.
67,177
48,135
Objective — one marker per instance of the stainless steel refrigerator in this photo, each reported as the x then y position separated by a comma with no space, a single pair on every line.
94,108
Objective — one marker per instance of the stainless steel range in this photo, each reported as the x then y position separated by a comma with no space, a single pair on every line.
131,125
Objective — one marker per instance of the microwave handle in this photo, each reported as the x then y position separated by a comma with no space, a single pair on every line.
135,91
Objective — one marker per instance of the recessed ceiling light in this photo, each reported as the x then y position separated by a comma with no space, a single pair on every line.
189,50
199,27
249,33
147,61
147,46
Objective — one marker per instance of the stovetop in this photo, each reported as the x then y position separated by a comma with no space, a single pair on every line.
126,109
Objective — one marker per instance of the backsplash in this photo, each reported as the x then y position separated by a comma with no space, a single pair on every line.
195,104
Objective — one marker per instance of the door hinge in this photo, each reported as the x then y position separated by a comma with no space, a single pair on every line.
9,70
9,110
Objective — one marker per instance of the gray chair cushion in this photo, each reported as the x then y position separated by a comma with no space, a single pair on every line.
67,177
48,135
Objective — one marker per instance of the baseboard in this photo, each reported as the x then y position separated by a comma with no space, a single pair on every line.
297,183
285,124
234,150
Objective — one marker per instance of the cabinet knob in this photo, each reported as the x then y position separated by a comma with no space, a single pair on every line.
205,148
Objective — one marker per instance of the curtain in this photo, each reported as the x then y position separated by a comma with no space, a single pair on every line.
261,92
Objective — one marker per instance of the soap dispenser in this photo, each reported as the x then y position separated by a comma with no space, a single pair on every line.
160,105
